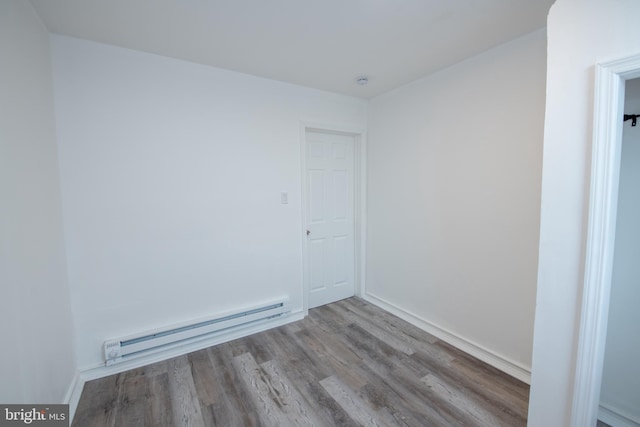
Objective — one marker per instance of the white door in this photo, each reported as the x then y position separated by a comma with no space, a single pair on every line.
329,267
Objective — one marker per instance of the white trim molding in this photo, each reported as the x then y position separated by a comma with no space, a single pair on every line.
603,203
616,418
502,363
72,397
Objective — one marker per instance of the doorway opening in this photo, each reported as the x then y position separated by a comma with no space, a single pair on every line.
620,390
603,203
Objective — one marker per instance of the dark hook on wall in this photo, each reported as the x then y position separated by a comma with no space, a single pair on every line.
632,117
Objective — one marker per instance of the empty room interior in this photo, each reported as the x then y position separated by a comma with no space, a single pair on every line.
318,213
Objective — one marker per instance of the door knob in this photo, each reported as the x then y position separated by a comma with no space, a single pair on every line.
308,232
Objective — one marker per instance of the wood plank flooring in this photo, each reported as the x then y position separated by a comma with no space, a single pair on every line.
347,364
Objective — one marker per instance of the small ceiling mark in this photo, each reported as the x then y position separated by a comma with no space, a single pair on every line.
362,80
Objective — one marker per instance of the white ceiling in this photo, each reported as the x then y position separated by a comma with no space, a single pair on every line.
323,44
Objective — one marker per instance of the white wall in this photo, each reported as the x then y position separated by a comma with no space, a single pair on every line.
37,362
580,34
621,376
454,170
171,175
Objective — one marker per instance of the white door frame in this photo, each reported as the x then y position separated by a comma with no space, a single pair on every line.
603,207
359,202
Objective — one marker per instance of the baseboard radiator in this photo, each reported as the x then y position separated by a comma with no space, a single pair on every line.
121,349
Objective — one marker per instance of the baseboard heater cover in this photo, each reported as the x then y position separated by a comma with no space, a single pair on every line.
117,350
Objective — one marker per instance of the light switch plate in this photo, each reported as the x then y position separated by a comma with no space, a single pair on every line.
284,197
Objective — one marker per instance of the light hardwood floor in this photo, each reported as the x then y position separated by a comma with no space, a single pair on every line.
347,364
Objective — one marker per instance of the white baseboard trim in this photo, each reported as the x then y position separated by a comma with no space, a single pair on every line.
72,397
507,366
616,418
101,371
